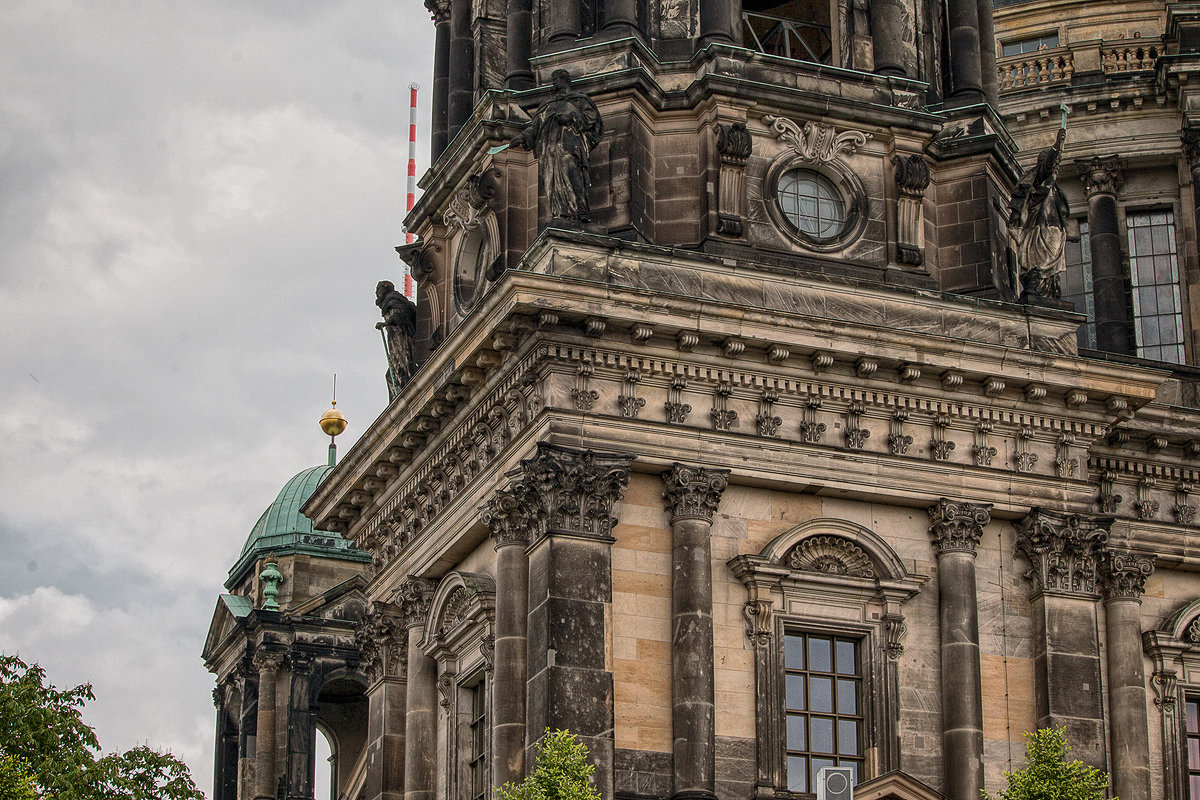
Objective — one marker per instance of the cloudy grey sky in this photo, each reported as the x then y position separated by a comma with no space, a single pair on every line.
196,200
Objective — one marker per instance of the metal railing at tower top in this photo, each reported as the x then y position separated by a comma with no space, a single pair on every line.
789,38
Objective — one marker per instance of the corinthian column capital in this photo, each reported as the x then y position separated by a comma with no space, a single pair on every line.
1101,174
957,527
508,519
692,492
1190,138
413,597
1064,551
1123,575
567,491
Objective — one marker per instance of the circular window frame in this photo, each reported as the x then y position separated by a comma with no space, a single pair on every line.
847,185
477,244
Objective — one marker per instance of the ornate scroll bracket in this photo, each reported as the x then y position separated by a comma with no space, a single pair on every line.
984,452
766,421
733,146
912,179
723,417
758,622
629,402
693,492
941,447
811,430
676,409
814,141
856,434
898,440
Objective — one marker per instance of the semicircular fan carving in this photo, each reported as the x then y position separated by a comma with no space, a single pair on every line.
455,608
831,555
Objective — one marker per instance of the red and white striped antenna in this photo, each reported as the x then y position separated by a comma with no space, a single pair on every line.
409,288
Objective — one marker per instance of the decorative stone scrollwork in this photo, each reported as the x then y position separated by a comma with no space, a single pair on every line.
692,492
831,555
676,409
1190,139
811,430
507,518
1124,575
1185,512
758,622
413,596
629,402
940,447
814,141
766,421
268,661
1163,682
1101,174
856,435
956,527
1145,505
439,10
1108,499
583,394
895,630
570,491
381,638
984,452
1063,550
1193,631
1024,459
912,179
456,606
1064,463
898,440
723,416
733,146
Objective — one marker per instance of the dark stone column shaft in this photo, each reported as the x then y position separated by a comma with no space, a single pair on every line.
565,18
226,761
420,720
691,496
385,738
889,26
987,52
1128,723
966,70
462,67
962,698
301,732
956,529
508,704
439,133
1102,178
716,21
264,742
519,30
620,17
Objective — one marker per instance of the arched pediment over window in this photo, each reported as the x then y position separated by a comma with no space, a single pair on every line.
825,586
462,600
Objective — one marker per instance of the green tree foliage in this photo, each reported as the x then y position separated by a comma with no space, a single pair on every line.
563,772
1048,775
47,751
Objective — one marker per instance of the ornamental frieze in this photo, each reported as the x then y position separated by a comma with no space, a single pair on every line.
1064,551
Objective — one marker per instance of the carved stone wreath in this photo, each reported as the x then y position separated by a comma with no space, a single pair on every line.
831,555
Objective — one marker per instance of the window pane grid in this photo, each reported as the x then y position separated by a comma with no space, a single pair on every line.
823,698
478,735
1154,275
1077,285
812,203
1192,716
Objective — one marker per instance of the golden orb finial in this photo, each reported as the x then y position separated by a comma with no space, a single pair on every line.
333,422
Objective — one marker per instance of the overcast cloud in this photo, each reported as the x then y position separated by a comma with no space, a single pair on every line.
196,200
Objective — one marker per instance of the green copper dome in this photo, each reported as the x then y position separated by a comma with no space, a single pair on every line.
283,529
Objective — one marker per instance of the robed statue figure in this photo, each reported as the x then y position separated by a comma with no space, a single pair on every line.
399,329
561,135
1038,216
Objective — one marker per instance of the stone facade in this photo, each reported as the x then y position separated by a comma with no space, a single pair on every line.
735,490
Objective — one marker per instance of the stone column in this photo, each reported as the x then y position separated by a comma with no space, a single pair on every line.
691,496
956,529
1191,151
1063,552
509,523
519,32
268,665
716,21
225,750
1102,179
383,647
420,718
564,22
1124,581
440,96
301,728
891,22
620,17
570,496
462,68
987,52
966,69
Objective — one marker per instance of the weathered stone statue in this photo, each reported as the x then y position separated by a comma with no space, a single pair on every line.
561,135
399,329
1037,224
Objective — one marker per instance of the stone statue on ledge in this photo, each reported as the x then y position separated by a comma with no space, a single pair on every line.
1038,218
561,135
399,328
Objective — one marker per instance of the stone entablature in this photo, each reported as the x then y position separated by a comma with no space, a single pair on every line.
494,379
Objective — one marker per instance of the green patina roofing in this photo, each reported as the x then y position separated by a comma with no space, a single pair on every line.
283,529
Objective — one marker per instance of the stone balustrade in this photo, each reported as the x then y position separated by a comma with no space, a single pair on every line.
1059,64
